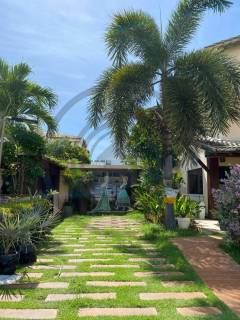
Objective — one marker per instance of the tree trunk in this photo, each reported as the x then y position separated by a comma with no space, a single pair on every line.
168,159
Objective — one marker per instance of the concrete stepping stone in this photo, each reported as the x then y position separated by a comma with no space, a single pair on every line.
116,312
128,266
93,296
92,250
10,298
162,266
86,274
42,260
32,314
147,260
52,267
170,284
171,295
87,260
39,285
111,254
115,284
199,311
34,275
65,255
75,245
157,273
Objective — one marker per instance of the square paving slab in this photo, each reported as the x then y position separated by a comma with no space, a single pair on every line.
199,311
171,295
92,296
33,314
116,312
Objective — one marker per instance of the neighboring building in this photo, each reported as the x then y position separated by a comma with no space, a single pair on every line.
115,174
217,153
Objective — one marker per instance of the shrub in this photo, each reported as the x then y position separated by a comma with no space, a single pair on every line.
227,202
186,207
150,201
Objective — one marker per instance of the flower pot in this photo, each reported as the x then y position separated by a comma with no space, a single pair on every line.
67,211
8,263
184,223
27,254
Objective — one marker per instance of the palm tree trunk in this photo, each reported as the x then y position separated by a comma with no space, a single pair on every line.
168,158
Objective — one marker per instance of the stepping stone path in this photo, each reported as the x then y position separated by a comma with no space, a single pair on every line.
106,243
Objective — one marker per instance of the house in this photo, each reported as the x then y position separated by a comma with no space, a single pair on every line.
217,154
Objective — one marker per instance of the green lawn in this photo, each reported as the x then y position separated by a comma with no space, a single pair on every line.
126,296
232,250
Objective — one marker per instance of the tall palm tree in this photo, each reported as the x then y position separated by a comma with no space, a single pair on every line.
22,99
199,90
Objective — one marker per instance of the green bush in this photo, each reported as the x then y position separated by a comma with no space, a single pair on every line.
150,201
185,207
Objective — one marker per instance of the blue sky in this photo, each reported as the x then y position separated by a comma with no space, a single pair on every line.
62,40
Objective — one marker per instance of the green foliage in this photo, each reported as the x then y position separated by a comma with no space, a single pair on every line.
20,97
177,180
199,90
77,177
22,158
150,201
185,207
28,225
65,150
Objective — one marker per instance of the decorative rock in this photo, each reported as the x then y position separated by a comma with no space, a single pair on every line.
115,284
171,295
116,312
198,311
32,314
93,296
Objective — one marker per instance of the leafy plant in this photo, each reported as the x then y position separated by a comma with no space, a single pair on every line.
65,150
150,201
185,207
198,90
227,201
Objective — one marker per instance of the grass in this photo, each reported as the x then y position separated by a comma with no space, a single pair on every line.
232,250
126,296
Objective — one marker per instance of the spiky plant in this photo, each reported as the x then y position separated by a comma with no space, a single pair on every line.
199,90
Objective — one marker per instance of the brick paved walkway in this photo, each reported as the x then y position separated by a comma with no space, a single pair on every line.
216,268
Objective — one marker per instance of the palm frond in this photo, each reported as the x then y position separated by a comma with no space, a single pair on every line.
216,79
185,21
134,32
21,71
42,95
98,100
4,70
129,89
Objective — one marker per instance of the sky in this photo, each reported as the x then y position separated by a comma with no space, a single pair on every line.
63,42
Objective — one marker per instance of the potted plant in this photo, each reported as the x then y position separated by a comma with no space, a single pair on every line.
185,210
67,209
14,231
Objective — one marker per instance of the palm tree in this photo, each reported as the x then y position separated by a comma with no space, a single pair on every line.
22,99
199,90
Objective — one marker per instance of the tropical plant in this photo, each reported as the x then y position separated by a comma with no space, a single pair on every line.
22,100
185,207
65,150
22,159
227,201
199,90
150,201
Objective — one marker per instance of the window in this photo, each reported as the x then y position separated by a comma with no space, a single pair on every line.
195,181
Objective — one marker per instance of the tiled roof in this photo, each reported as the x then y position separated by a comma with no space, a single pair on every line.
217,145
226,43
